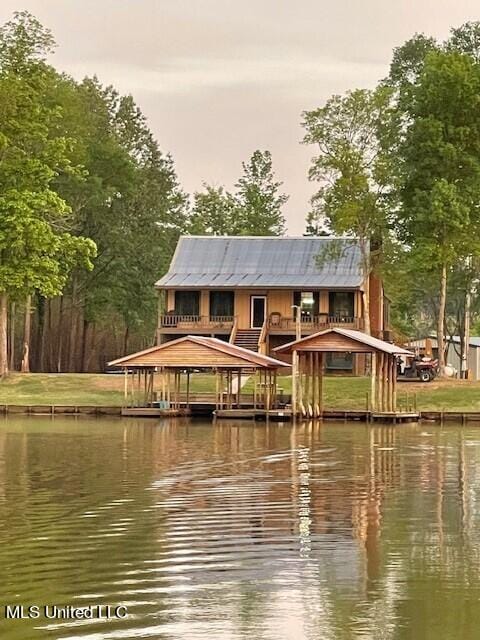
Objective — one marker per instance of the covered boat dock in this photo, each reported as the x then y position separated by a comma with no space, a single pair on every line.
308,367
158,380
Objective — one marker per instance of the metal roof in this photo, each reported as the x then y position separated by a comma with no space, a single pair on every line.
369,341
474,340
258,261
252,359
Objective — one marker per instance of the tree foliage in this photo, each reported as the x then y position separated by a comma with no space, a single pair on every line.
355,195
37,251
255,208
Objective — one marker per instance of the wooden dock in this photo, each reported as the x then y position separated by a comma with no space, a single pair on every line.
246,413
280,415
394,416
153,412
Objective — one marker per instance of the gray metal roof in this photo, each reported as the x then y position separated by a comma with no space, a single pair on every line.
256,261
474,340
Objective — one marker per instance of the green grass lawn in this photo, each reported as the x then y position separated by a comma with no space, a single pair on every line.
62,388
340,392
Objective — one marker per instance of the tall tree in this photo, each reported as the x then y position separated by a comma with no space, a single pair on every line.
36,253
215,212
353,169
255,208
129,202
465,39
440,160
259,197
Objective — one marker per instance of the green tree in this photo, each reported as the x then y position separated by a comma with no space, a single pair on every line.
259,198
465,39
440,161
36,253
215,212
255,208
353,169
129,202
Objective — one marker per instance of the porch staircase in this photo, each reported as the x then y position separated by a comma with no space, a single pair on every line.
248,338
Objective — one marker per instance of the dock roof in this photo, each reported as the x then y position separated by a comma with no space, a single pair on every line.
343,340
198,352
257,261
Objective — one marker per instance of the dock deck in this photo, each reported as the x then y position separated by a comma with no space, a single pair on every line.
395,416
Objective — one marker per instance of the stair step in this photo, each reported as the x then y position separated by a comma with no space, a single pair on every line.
248,339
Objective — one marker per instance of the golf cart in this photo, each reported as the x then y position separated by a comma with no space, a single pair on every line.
417,368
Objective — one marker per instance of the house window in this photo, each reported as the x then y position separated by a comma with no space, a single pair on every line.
222,303
187,303
339,361
341,304
308,301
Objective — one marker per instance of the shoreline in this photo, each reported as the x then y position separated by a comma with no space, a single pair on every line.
344,415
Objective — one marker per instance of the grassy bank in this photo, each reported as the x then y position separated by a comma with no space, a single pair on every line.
342,393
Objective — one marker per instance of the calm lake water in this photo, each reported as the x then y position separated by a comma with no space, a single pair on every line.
235,530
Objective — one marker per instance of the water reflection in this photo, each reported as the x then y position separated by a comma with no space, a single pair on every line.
236,530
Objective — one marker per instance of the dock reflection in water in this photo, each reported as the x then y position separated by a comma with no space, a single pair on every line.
241,530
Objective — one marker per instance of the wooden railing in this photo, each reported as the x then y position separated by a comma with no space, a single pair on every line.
233,334
262,339
170,320
315,323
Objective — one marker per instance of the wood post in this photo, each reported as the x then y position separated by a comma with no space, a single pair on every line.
390,383
275,387
239,387
301,365
384,382
320,384
394,390
307,381
294,383
268,376
379,379
374,386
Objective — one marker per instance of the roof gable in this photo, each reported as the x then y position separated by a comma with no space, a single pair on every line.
343,340
197,352
240,261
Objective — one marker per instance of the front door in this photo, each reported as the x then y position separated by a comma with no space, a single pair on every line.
258,305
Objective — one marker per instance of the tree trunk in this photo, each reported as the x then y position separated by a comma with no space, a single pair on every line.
3,334
441,322
466,334
73,349
11,337
366,268
366,306
126,337
85,346
27,331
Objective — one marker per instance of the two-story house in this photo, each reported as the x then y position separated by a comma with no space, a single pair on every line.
248,290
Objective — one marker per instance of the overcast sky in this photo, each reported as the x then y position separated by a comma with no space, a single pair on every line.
218,79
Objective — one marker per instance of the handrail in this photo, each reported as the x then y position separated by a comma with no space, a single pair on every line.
233,334
262,338
317,321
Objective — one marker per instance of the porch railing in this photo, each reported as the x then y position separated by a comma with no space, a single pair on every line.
195,321
315,323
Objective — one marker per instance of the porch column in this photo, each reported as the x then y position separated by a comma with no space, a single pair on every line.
294,383
204,303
